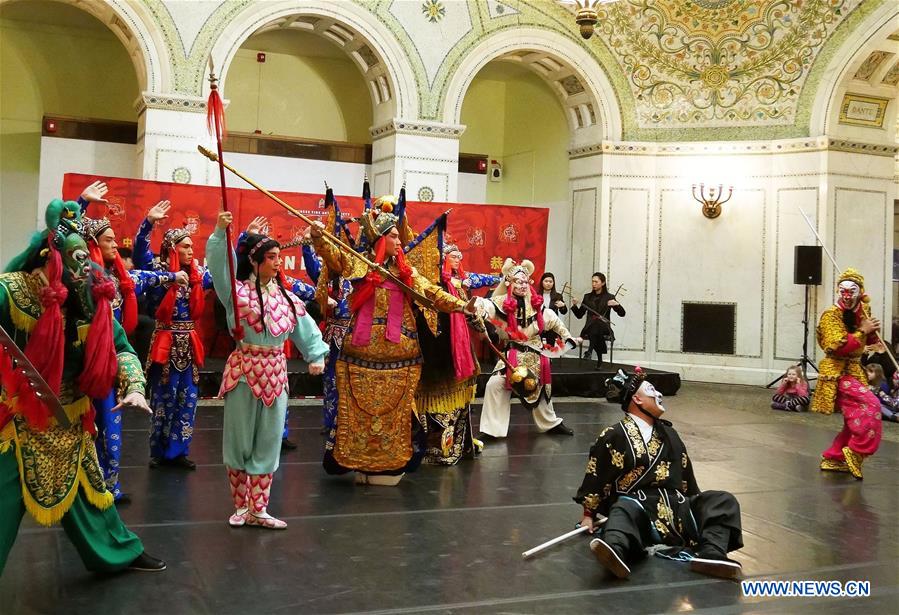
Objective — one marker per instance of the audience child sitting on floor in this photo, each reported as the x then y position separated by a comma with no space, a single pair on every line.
889,404
792,394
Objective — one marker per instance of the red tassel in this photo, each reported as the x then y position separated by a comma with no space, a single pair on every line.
45,345
215,121
165,311
215,114
197,295
365,290
129,298
126,286
100,361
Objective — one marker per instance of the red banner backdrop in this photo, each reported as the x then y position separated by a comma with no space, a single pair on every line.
486,234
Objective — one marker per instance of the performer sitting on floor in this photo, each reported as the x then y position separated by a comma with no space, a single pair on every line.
597,305
176,352
524,318
254,384
843,332
878,385
56,307
379,365
450,371
792,394
640,477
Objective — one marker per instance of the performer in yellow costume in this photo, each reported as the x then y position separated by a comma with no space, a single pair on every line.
380,362
844,330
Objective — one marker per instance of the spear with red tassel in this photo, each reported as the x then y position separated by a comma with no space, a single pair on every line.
215,120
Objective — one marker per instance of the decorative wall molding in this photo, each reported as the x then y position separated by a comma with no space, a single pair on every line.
739,148
585,151
170,102
418,128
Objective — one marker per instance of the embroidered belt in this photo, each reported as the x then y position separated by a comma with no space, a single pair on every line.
264,368
177,342
177,325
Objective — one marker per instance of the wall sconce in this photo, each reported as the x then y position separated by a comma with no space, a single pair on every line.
711,204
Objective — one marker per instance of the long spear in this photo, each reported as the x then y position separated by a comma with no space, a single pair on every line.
838,270
215,120
326,235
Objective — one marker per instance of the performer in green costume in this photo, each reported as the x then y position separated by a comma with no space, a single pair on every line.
56,307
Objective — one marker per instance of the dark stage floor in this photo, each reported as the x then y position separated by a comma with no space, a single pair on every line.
449,540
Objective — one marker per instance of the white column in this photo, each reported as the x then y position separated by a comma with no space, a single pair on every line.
169,129
585,166
423,155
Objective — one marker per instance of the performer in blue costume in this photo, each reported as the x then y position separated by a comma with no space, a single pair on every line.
129,285
333,295
176,351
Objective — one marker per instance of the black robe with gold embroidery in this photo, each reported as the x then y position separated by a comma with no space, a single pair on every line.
657,474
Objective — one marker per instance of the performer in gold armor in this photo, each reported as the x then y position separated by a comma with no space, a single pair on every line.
380,362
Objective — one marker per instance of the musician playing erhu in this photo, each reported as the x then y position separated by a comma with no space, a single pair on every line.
597,305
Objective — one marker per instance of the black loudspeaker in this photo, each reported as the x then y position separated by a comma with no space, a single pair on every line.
807,265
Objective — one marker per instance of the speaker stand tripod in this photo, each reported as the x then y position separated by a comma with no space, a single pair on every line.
804,361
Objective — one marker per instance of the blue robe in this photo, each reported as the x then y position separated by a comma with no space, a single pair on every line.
336,325
109,422
172,386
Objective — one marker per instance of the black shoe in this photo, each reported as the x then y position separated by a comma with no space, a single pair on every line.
486,437
609,558
182,461
147,563
155,462
123,498
287,445
561,430
712,562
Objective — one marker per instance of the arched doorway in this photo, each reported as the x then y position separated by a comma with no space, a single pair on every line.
56,60
302,85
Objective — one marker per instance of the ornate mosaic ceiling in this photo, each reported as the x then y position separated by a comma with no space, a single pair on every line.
718,62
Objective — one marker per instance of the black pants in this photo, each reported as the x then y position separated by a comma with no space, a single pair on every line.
717,515
597,345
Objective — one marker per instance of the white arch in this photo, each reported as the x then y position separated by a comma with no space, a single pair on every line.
403,103
829,95
501,43
138,32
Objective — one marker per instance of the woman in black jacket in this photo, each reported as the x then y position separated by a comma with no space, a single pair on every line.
598,328
552,299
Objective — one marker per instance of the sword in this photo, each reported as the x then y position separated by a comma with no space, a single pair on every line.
37,383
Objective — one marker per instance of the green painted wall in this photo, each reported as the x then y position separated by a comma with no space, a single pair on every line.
296,96
50,69
512,115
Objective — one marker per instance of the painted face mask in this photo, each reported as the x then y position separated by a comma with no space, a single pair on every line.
650,391
520,286
849,294
77,267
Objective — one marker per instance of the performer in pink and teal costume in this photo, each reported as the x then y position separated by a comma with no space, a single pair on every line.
254,384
